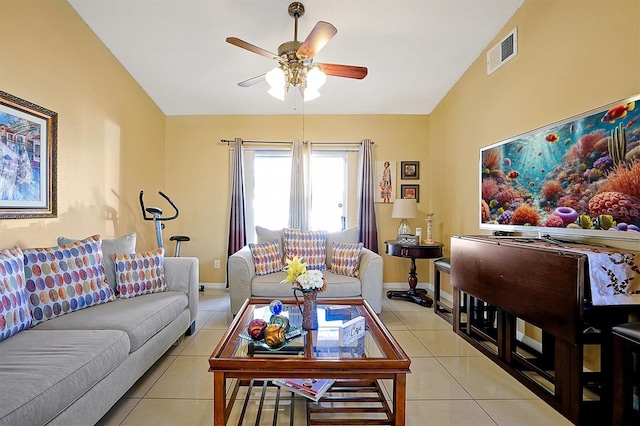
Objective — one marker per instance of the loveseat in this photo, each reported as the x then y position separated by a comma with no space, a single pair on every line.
72,366
362,279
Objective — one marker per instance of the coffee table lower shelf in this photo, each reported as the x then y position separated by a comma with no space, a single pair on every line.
347,402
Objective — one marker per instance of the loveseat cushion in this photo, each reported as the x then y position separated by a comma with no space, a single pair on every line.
140,317
339,286
311,246
266,257
43,372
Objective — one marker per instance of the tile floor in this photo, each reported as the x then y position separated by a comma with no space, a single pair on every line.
451,382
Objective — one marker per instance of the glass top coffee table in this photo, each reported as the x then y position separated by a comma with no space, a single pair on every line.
357,365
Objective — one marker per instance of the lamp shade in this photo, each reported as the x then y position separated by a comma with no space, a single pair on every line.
404,208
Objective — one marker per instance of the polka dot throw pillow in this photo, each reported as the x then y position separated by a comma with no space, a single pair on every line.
14,306
311,246
266,257
346,259
65,278
140,273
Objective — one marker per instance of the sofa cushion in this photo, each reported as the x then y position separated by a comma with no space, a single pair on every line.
43,372
15,315
311,246
266,257
348,236
124,244
339,286
140,273
346,259
265,235
65,278
140,317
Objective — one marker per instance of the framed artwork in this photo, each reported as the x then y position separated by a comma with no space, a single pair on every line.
577,177
385,177
28,139
410,170
410,191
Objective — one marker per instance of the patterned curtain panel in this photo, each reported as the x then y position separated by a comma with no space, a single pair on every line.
366,212
237,227
300,198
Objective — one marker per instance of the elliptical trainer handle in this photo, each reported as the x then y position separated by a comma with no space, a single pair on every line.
172,205
144,211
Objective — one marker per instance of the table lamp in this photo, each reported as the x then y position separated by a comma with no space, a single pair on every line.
404,208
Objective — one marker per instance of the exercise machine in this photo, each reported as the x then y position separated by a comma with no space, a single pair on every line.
156,216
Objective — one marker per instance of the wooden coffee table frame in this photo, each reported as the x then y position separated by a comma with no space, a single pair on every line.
393,363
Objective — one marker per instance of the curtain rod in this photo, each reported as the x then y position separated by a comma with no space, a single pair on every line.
228,141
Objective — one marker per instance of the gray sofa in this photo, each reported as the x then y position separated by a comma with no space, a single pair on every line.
244,283
70,370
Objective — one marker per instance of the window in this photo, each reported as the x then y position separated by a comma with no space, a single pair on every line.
267,185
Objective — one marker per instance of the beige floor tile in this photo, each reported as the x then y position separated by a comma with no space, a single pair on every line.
523,413
214,300
171,412
219,320
203,317
142,386
483,379
203,343
429,380
445,343
447,373
391,321
119,412
446,413
186,377
423,320
410,343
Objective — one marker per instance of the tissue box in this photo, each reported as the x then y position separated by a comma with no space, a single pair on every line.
351,331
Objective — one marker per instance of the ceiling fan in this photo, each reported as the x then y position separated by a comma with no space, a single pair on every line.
295,58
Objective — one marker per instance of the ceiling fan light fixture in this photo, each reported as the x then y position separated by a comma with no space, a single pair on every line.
310,94
276,78
277,92
315,78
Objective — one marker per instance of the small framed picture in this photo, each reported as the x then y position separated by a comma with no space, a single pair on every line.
410,169
410,191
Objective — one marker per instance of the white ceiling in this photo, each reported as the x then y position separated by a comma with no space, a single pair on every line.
415,50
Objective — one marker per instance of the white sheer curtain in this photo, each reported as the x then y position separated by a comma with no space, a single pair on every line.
300,201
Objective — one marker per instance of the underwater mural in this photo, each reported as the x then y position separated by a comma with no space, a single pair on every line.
580,174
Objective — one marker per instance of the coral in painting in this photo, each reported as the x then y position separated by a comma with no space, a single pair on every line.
623,207
525,215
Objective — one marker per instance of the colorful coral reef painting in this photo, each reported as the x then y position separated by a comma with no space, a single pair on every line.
580,176
27,159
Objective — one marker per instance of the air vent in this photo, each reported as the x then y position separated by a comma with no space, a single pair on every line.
502,52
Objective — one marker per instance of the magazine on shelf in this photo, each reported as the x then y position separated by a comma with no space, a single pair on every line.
309,388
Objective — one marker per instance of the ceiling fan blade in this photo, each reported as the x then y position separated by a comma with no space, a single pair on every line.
253,80
347,71
316,40
251,48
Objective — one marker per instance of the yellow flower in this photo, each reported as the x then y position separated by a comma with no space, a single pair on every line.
295,267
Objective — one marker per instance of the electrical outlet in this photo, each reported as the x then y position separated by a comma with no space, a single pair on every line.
216,264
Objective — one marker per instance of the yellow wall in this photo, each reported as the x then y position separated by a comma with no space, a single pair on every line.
198,172
110,134
113,141
573,56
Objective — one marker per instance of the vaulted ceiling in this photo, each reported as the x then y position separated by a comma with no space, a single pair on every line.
415,50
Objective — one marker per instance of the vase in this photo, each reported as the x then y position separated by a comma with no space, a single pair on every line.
309,308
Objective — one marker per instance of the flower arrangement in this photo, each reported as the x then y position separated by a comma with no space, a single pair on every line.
298,275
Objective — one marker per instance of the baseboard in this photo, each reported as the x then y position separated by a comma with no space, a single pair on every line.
218,286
